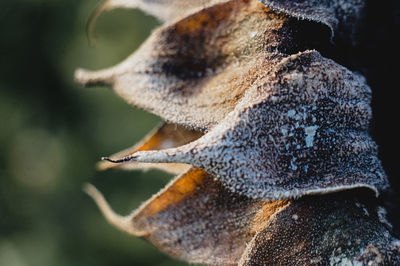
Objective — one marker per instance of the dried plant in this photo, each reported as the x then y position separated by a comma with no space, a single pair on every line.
269,138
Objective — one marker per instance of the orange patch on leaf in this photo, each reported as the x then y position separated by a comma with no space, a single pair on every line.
178,191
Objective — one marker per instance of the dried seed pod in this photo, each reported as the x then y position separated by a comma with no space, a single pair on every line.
264,121
302,118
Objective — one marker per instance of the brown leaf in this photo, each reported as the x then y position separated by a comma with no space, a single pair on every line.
193,72
195,218
162,137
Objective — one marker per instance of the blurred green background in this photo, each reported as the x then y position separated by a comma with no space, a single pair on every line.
53,132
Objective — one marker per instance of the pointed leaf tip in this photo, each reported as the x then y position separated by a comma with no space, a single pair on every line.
162,137
123,223
121,160
92,78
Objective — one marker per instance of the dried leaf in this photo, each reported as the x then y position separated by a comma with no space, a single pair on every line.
162,137
194,71
196,219
302,129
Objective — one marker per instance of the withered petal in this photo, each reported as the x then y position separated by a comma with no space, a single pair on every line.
341,16
301,130
163,137
336,229
195,218
194,71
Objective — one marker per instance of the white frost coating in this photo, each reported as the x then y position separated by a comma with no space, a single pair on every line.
310,133
357,263
340,259
382,216
256,150
253,34
291,113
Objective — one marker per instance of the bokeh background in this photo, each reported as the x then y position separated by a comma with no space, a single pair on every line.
52,132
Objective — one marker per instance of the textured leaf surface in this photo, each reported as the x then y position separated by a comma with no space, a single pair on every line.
261,120
301,129
198,220
336,229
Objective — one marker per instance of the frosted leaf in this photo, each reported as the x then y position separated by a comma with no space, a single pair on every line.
262,148
195,218
162,137
193,72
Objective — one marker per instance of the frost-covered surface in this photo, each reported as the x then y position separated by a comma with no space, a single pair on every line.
263,123
300,129
195,218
